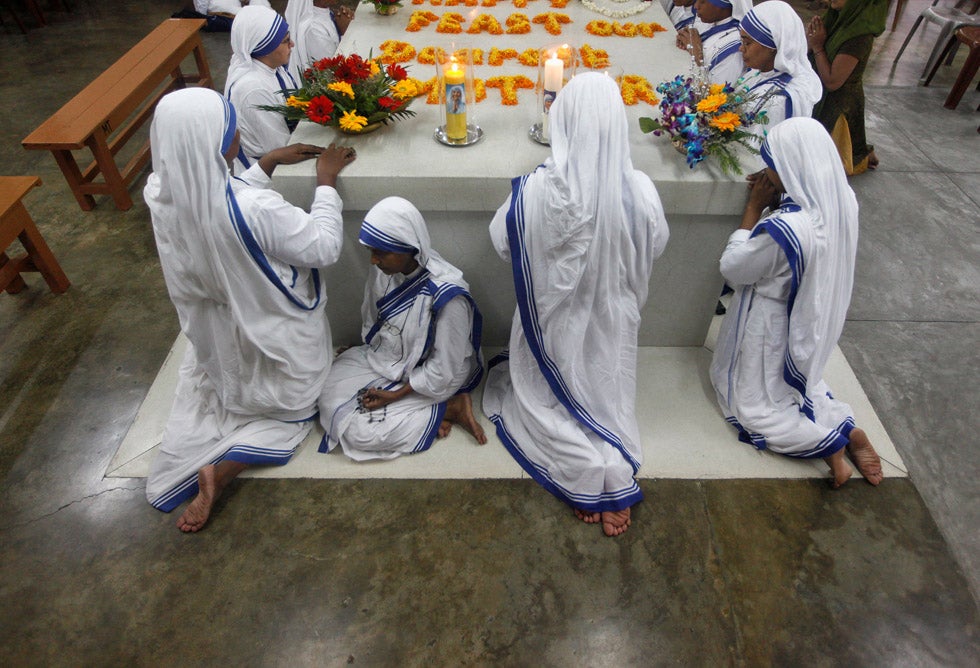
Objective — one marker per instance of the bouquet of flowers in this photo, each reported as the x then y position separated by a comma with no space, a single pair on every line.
384,6
704,120
351,93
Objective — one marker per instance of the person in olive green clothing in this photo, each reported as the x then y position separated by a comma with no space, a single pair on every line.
841,43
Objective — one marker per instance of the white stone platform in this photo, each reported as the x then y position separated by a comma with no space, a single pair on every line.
684,434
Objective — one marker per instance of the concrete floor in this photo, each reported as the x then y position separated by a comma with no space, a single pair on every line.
492,572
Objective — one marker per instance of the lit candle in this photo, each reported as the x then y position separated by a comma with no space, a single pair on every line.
554,70
456,102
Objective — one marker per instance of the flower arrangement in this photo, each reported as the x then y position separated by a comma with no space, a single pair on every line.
705,120
383,6
350,93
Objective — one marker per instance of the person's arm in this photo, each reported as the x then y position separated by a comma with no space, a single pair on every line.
834,73
375,398
498,231
748,259
452,358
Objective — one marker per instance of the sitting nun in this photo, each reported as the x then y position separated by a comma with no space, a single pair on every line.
777,72
242,269
410,380
581,233
792,267
257,73
680,12
713,39
318,31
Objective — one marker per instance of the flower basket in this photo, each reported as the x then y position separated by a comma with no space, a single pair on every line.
353,94
704,120
384,7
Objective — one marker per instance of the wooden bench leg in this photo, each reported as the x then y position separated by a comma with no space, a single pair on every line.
203,70
10,279
40,257
966,74
110,171
73,175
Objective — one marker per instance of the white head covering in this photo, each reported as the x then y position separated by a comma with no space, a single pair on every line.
296,10
809,166
776,24
256,31
395,225
739,7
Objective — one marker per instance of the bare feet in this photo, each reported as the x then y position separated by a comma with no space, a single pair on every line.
615,522
839,468
211,480
864,457
586,516
459,410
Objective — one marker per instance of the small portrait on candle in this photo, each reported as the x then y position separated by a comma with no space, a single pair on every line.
455,99
549,98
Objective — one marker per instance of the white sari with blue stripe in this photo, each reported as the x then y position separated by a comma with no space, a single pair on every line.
792,275
423,329
241,266
581,234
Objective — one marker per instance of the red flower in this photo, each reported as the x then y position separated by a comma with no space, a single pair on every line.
388,103
320,109
351,69
397,72
323,64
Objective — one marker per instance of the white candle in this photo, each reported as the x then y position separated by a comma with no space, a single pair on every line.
554,70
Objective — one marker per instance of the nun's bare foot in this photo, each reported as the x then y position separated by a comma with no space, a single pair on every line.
196,514
459,410
586,516
615,522
864,457
839,467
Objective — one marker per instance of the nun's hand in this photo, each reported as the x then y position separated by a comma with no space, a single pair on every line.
290,155
330,163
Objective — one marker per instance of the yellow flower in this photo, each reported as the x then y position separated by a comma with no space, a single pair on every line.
293,101
716,88
727,121
351,121
405,89
712,102
342,87
374,68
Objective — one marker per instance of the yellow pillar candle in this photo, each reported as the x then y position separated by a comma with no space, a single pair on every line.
455,102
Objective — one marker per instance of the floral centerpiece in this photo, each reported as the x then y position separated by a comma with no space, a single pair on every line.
351,93
383,6
704,120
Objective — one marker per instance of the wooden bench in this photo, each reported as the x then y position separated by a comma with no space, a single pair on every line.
16,223
108,112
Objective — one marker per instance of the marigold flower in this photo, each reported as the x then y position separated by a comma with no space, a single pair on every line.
351,121
486,22
599,28
342,87
450,23
559,4
498,56
727,121
712,102
714,89
529,57
394,51
320,109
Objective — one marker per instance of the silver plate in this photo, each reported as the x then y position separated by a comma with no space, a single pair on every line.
474,133
537,135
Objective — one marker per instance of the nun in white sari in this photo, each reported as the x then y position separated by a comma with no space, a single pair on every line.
777,72
581,233
792,272
257,73
712,38
241,267
316,32
421,352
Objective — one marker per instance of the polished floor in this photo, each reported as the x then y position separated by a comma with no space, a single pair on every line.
486,572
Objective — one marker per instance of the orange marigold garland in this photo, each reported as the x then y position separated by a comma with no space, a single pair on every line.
595,59
420,19
509,86
451,23
486,22
468,3
427,56
624,29
528,57
460,54
649,29
498,56
552,21
489,3
518,24
394,51
635,88
599,28
559,4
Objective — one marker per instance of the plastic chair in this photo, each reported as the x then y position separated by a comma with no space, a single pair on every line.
970,36
949,19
